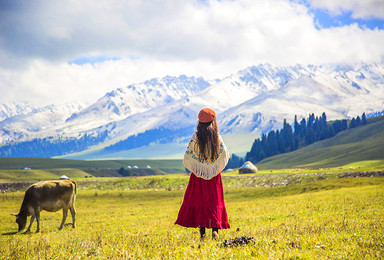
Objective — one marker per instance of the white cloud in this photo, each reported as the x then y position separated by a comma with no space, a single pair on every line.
210,39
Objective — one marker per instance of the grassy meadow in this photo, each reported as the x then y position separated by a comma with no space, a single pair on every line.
133,218
300,205
13,163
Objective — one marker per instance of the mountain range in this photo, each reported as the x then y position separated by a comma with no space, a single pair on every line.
155,118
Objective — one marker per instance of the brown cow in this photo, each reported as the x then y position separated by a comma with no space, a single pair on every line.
50,196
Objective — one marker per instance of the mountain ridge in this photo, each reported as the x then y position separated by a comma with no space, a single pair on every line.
249,102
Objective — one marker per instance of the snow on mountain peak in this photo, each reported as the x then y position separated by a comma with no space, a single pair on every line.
250,102
10,109
38,122
136,98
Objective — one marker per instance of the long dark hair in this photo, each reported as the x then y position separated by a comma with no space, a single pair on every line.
208,139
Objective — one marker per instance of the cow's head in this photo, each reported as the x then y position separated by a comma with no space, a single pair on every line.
21,221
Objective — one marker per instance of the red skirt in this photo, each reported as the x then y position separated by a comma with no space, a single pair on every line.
203,204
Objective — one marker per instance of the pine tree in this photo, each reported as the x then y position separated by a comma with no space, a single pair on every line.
235,162
363,119
297,127
358,121
324,118
305,133
310,121
310,136
303,127
287,137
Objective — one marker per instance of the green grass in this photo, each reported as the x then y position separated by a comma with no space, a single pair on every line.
369,165
46,174
273,177
333,218
12,169
37,175
358,144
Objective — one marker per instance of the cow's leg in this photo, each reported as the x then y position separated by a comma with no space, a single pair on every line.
30,225
73,213
65,214
37,212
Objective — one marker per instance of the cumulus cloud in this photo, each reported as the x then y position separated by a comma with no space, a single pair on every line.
145,39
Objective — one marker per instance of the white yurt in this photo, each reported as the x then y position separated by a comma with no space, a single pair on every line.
248,167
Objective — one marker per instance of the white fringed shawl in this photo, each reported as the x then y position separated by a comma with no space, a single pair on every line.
206,169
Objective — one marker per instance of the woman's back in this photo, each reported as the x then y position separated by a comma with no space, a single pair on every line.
206,156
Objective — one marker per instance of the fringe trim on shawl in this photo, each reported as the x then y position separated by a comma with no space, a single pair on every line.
205,169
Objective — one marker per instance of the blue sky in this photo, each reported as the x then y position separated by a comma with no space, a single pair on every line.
323,19
327,18
58,51
92,60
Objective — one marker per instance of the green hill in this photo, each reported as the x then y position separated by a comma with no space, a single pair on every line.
7,163
353,145
18,169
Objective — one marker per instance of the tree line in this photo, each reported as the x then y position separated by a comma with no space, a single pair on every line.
304,133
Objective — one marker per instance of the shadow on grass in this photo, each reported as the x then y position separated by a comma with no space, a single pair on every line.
25,233
20,233
9,233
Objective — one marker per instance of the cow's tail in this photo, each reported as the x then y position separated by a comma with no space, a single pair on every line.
74,183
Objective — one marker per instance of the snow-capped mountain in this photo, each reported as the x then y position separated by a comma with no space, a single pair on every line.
340,92
39,122
11,109
136,98
220,96
161,112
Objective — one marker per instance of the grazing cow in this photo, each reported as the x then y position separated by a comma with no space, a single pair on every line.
50,196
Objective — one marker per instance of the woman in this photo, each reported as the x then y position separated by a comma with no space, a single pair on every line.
205,158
